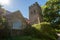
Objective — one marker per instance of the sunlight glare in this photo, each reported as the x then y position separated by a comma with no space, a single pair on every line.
4,2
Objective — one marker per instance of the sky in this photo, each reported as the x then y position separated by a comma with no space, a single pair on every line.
22,5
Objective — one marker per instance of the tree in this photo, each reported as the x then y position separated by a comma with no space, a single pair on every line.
51,12
45,31
2,19
3,25
0,6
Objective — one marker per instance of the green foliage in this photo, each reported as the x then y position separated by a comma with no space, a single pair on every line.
0,5
25,38
51,13
58,31
31,31
52,9
22,38
44,31
37,26
4,32
3,22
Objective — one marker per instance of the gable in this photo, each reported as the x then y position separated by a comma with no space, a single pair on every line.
16,18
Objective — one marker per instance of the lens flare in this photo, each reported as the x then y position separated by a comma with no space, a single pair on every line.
4,2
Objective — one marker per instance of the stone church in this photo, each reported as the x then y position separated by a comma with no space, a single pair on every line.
35,14
16,21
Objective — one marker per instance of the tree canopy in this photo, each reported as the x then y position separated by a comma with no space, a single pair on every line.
51,12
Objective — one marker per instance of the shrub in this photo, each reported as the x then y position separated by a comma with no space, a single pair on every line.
58,31
44,31
31,31
22,38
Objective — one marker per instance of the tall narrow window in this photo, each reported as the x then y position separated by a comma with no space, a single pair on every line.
34,11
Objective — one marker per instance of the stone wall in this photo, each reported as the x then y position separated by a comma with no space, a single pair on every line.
13,17
35,13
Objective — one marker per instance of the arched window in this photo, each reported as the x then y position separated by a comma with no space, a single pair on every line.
17,25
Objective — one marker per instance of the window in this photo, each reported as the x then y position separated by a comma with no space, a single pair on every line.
34,11
17,25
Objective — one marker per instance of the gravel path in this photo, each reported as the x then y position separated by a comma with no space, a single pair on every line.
59,38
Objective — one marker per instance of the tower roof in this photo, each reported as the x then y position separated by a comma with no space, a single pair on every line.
35,4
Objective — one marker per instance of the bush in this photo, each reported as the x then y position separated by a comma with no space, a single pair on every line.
25,38
44,31
31,31
58,31
47,31
22,38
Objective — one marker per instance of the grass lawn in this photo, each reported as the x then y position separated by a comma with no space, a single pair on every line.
22,38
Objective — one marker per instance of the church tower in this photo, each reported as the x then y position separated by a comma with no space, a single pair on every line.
35,13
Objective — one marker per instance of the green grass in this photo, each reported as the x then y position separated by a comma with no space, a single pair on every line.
22,38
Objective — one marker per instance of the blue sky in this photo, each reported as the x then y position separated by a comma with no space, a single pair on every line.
22,5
